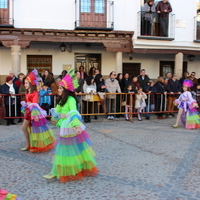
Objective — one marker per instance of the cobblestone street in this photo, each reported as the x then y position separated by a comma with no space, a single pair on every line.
147,160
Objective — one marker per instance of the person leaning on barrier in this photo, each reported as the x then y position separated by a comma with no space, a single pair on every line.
79,91
55,86
174,86
143,78
112,87
9,88
160,97
89,87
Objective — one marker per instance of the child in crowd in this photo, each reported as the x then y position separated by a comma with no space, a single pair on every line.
45,98
150,102
197,94
135,83
128,90
187,108
140,102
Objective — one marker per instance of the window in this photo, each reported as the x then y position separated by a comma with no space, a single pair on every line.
85,6
3,4
6,12
99,6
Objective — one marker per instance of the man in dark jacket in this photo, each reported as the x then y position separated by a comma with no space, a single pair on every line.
174,86
143,79
163,9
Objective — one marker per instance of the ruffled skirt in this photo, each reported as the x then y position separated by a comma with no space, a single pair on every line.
41,135
74,158
192,119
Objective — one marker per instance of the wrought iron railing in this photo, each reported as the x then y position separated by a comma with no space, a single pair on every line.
149,24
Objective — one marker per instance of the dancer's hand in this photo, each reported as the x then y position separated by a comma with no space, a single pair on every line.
77,130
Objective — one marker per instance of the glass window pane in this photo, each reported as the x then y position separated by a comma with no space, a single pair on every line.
99,6
3,3
85,6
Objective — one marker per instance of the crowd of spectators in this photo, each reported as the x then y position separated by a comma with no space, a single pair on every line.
147,95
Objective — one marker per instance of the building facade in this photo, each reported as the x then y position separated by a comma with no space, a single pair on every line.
106,34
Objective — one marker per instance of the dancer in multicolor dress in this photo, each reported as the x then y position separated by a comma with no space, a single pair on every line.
39,137
74,157
187,108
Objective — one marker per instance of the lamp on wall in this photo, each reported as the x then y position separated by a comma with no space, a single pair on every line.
191,57
62,47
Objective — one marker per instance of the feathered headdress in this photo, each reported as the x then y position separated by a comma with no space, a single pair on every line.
70,81
187,83
32,77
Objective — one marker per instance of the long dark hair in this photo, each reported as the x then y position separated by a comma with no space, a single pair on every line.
88,80
32,88
61,100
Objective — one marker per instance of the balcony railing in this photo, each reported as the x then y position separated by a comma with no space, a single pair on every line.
6,13
155,25
94,15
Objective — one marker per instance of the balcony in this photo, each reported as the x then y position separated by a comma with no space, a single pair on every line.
150,26
94,14
6,13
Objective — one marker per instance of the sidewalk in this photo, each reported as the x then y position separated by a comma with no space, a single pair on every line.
147,160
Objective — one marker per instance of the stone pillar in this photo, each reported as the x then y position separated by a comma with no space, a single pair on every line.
179,64
16,58
118,67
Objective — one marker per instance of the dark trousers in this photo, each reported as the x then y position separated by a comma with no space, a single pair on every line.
164,22
12,113
46,107
147,27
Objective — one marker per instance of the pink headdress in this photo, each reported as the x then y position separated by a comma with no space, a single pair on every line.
187,83
70,81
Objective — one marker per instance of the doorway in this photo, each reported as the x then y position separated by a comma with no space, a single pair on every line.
132,68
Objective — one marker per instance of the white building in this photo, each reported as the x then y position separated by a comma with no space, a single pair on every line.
106,34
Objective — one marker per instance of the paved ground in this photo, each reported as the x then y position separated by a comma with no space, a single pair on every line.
147,160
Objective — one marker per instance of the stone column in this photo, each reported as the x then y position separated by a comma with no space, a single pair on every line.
179,64
16,58
118,67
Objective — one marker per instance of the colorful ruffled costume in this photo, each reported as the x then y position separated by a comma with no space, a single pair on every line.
41,135
5,195
190,116
74,157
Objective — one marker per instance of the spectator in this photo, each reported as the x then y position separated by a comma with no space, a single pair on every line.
168,75
22,89
64,72
9,88
49,79
45,98
101,90
20,80
143,79
1,106
128,90
135,83
140,102
194,80
163,9
150,102
186,76
45,74
112,87
82,72
120,81
126,81
92,71
79,91
12,75
197,94
119,97
160,98
55,86
148,16
89,87
174,86
97,72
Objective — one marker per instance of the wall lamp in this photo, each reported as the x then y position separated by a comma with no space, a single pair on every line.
63,47
191,57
